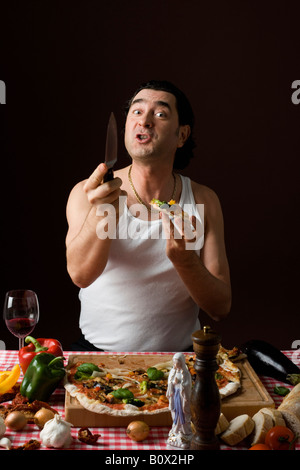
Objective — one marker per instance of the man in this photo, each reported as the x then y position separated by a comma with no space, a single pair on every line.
143,292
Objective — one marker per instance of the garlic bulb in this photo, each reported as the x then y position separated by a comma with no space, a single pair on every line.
56,433
2,426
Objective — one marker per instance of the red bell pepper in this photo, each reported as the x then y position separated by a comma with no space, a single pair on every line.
38,346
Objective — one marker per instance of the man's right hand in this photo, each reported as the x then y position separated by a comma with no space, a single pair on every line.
87,254
103,193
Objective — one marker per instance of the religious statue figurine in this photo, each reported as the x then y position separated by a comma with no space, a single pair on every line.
179,394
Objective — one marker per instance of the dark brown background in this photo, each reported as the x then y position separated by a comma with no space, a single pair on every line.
67,65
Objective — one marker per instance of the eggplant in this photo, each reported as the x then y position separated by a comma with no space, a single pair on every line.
267,360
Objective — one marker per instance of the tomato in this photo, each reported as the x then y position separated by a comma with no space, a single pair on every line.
260,447
280,438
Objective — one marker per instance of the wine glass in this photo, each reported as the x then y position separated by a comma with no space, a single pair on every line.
21,312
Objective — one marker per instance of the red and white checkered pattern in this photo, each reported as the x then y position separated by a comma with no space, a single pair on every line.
112,438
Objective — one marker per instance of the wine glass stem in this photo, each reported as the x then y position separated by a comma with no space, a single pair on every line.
21,343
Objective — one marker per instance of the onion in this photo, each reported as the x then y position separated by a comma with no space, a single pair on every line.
42,416
16,421
137,430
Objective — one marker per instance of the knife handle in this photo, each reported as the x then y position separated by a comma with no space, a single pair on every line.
109,175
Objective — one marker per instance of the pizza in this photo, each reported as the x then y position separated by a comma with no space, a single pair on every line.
129,391
118,391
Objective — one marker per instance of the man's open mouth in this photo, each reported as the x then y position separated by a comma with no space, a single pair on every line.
143,137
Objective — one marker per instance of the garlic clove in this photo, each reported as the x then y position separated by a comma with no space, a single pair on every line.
5,442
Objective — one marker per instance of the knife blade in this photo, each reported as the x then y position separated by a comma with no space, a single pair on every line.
111,149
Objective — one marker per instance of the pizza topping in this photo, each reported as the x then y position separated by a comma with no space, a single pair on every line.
86,370
97,385
171,208
163,204
220,379
127,397
154,374
144,386
133,402
163,400
121,393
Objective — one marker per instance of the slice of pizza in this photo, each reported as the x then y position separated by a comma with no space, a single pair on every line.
171,208
177,216
228,375
233,354
228,382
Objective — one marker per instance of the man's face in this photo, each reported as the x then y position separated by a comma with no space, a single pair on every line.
152,128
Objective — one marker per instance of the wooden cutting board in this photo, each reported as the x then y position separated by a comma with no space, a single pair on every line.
251,397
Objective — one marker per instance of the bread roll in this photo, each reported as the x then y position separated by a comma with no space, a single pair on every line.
222,424
276,416
292,422
263,422
292,401
290,409
239,428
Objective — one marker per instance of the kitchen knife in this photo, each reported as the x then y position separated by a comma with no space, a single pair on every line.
111,149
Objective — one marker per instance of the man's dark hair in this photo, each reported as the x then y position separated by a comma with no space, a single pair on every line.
185,115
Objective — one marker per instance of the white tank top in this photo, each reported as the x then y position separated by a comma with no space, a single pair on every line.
139,303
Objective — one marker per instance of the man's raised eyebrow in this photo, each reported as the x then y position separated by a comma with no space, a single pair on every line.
164,104
159,103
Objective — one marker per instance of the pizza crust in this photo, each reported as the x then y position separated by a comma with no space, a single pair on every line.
229,389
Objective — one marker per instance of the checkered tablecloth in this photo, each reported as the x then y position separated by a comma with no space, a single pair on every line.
113,438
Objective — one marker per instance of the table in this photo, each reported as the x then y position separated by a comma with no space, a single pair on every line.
112,438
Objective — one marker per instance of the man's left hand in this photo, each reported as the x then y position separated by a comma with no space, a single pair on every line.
180,235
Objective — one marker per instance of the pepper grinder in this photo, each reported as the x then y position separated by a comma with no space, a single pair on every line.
205,398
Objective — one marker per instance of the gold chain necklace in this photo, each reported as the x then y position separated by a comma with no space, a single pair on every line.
137,195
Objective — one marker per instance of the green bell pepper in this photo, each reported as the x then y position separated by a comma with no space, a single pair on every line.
42,377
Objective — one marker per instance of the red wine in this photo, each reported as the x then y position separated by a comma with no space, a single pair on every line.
20,327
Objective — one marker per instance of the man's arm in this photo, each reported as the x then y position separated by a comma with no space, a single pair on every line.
207,278
86,253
